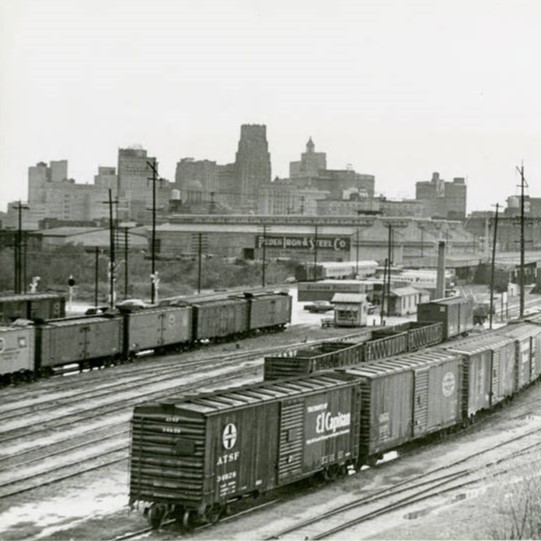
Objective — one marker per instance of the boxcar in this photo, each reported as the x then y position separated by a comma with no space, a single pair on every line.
31,306
157,328
527,338
220,318
190,458
269,310
489,370
456,314
87,341
407,398
16,353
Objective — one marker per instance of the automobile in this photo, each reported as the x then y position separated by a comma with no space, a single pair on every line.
319,306
130,305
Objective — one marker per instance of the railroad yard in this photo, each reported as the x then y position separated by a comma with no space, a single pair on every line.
65,447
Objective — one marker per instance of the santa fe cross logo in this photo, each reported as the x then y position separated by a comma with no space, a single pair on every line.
229,436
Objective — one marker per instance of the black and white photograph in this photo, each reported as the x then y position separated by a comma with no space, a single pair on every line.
269,270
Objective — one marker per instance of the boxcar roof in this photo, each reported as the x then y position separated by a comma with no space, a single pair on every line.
31,297
398,364
519,330
476,344
219,401
448,300
77,321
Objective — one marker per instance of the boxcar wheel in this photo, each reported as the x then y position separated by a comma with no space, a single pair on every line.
213,513
155,516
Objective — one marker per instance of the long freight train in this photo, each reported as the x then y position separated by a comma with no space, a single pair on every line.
193,456
91,341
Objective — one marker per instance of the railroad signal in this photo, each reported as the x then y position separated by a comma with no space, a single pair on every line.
71,280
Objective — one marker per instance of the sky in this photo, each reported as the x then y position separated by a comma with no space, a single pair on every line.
395,88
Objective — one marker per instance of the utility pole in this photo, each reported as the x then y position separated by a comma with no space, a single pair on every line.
96,260
382,311
111,250
523,184
125,262
18,253
315,254
154,167
357,252
264,255
493,266
199,255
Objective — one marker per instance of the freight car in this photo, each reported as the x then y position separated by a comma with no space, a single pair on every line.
16,354
456,314
191,458
369,346
110,338
31,306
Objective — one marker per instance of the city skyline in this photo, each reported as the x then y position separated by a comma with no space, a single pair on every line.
398,91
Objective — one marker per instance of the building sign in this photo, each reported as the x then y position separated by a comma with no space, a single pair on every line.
328,242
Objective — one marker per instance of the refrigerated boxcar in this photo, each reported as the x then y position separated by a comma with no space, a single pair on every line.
190,458
527,338
456,314
406,398
157,328
85,341
220,318
31,306
269,311
16,354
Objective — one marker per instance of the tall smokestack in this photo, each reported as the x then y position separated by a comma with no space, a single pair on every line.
440,278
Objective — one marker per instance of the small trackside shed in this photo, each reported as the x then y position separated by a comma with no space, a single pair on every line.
191,457
456,314
403,301
350,309
407,398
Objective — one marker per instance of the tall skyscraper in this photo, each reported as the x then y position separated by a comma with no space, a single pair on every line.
253,164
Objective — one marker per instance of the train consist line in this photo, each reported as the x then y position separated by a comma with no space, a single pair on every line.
325,412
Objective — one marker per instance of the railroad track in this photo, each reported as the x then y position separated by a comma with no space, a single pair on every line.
406,493
27,448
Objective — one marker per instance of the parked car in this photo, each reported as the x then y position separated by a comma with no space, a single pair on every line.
319,306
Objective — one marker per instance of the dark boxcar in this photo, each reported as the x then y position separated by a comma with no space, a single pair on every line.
194,456
85,340
157,328
527,337
16,353
31,306
407,398
269,310
456,314
220,318
327,356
